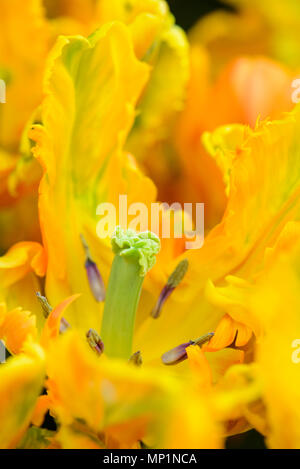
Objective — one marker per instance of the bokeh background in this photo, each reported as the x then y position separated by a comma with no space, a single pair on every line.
188,11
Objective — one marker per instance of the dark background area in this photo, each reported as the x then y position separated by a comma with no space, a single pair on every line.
187,13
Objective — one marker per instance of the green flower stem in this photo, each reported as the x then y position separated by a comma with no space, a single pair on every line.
123,294
135,255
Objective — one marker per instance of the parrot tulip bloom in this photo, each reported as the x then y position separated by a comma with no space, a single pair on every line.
123,102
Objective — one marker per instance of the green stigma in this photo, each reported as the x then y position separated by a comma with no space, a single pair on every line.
138,248
135,255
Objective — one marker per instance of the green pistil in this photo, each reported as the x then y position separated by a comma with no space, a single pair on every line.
135,255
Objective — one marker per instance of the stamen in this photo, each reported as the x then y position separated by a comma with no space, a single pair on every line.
179,354
47,309
173,281
176,355
94,277
64,325
95,341
177,276
44,303
136,359
204,339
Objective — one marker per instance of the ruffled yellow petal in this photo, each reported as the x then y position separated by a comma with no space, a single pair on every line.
270,149
21,64
227,333
223,145
200,367
236,297
21,270
184,429
231,299
103,383
93,13
80,120
222,360
19,177
237,394
21,383
164,96
16,327
121,402
274,207
147,20
258,209
224,334
21,259
275,300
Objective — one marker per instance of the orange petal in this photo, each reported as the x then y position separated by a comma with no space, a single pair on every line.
243,336
21,259
199,364
224,335
41,408
16,327
51,329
